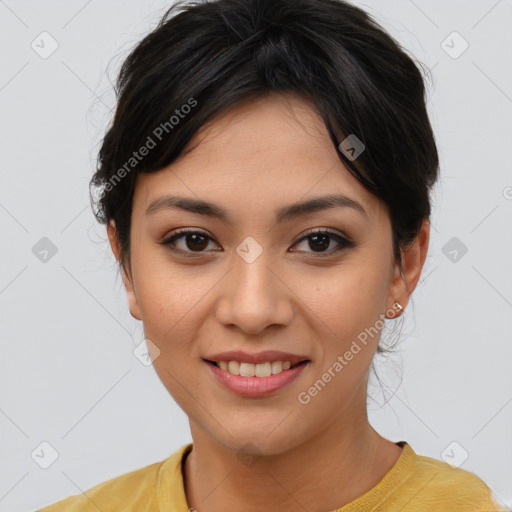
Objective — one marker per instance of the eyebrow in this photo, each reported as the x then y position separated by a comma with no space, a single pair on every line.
286,213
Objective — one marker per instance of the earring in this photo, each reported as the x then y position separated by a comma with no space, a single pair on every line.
400,308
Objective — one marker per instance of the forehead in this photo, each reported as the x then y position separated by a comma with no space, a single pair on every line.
262,128
271,149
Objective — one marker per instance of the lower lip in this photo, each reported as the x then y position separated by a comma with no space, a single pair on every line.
256,386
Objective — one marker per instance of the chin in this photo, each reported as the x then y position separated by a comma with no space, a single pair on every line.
257,442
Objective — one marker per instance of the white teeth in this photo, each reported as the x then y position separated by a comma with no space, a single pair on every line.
254,370
247,370
234,367
277,367
262,370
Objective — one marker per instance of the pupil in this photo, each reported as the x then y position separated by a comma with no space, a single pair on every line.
198,245
325,241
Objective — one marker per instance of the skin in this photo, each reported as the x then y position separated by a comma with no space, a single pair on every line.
251,160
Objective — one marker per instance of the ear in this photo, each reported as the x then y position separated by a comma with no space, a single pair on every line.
127,278
413,258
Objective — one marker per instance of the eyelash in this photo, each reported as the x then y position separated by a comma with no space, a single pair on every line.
343,242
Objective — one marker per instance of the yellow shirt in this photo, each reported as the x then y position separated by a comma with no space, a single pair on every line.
414,484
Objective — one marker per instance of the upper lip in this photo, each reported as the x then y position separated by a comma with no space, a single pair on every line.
260,357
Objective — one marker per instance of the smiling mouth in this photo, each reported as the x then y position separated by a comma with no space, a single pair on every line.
260,370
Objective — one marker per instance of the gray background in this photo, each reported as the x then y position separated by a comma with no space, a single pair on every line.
68,374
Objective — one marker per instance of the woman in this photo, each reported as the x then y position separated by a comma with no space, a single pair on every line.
265,185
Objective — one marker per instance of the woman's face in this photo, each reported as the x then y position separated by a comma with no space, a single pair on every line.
250,284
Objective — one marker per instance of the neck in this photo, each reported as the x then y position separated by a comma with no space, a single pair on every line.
331,469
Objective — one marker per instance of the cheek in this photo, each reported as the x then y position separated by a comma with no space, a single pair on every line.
167,293
175,301
347,309
349,298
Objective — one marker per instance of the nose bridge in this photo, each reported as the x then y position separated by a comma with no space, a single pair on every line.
253,275
254,297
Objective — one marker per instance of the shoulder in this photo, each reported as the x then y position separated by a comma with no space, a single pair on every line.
121,493
434,483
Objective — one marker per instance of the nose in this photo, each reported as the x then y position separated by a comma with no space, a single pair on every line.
255,296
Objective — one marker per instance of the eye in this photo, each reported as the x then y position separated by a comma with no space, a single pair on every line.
194,241
320,239
197,241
